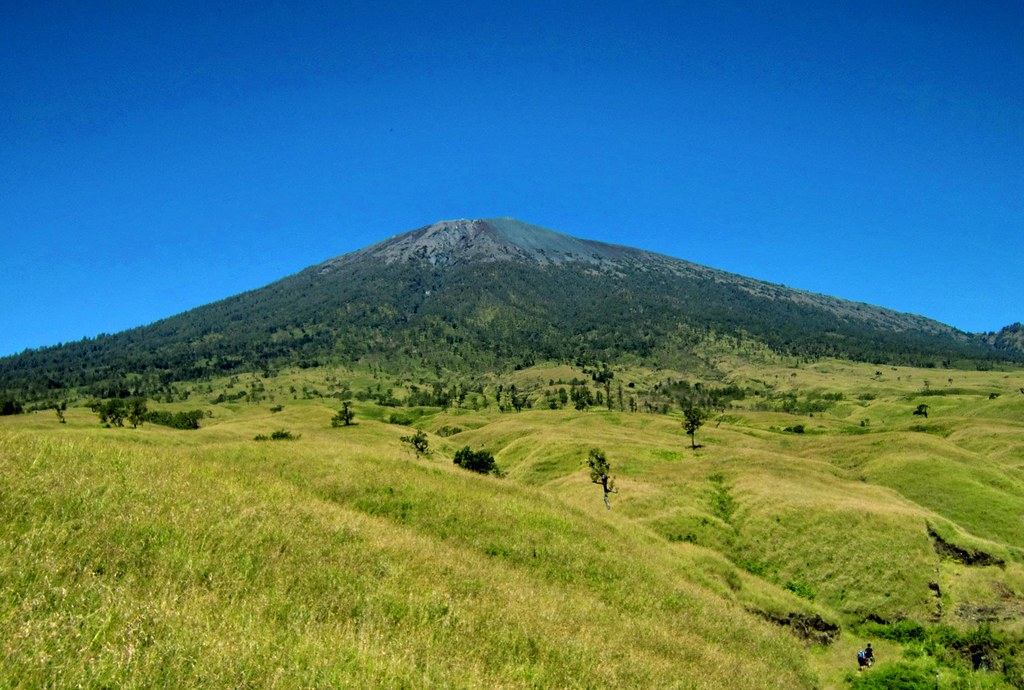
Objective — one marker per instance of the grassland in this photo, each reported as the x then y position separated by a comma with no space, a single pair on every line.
155,557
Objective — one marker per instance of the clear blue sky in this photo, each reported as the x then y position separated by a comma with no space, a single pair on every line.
158,156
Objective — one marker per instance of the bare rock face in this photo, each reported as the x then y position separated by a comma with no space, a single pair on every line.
449,242
453,242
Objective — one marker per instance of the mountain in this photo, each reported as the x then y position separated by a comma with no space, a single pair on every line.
472,295
1008,339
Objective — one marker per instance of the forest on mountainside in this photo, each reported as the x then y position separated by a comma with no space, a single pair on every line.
478,316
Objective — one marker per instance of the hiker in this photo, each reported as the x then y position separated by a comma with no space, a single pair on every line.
869,655
862,660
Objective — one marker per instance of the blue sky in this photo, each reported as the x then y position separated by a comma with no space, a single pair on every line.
159,156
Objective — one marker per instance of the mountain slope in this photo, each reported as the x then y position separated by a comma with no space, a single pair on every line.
468,295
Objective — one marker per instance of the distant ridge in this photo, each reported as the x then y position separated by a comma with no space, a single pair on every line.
494,294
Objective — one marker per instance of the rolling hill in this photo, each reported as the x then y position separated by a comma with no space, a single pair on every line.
340,557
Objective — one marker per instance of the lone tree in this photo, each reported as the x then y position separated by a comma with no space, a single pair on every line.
599,474
137,411
418,441
693,419
922,411
61,408
344,416
477,461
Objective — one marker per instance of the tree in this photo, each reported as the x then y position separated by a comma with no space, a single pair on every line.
693,419
344,416
581,397
478,461
922,411
137,411
515,399
176,420
61,408
111,412
599,474
9,407
418,441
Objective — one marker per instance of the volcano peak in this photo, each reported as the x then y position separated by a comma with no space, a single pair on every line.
449,242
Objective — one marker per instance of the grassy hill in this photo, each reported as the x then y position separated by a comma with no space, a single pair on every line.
155,557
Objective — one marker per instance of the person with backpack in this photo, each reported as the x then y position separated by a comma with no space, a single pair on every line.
865,658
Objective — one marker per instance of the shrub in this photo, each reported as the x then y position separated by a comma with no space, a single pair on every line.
477,461
800,589
754,567
900,631
176,420
280,435
10,407
223,398
894,677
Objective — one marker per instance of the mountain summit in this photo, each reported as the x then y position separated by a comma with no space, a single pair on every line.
493,239
493,294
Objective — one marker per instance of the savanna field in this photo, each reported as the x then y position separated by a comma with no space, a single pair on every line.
817,513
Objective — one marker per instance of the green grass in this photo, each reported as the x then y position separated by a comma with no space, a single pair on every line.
229,566
156,557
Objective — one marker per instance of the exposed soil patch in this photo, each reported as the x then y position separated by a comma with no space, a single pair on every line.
810,627
962,555
1009,607
988,614
937,591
